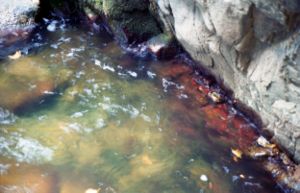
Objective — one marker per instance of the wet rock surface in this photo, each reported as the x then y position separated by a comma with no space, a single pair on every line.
131,21
16,23
253,46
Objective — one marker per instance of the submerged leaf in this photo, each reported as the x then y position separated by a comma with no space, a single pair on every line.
262,141
90,190
237,153
16,55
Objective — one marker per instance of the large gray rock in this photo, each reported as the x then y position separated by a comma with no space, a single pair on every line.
254,47
130,20
16,22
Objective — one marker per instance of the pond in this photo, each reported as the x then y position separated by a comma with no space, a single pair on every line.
78,113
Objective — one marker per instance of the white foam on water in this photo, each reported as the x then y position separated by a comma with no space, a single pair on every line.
24,149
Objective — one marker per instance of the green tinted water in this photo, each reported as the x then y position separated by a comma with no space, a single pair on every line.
88,115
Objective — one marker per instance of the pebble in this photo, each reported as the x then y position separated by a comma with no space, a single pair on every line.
203,178
262,141
51,27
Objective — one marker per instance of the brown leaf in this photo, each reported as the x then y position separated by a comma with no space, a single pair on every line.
16,55
237,153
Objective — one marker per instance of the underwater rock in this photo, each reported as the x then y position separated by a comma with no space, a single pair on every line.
27,81
163,46
26,178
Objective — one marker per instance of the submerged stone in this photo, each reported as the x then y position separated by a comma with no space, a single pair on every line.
25,81
26,178
163,46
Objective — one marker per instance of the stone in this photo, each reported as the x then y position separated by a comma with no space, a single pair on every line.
25,82
203,178
16,23
162,46
130,20
26,178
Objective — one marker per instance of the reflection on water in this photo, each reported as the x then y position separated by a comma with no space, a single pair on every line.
88,115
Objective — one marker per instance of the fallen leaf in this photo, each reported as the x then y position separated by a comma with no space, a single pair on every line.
203,178
146,160
16,55
215,97
237,153
242,176
90,190
262,141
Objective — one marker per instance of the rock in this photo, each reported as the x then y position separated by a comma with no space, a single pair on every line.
26,178
16,23
253,46
130,20
203,178
162,46
262,141
26,81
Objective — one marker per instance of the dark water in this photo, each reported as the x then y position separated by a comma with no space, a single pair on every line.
87,115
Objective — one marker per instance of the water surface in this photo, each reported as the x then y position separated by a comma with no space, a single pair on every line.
78,112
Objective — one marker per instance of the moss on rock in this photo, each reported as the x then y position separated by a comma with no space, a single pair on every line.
132,17
116,8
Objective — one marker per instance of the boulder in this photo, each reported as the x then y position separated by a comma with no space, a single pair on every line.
130,20
252,46
16,23
26,82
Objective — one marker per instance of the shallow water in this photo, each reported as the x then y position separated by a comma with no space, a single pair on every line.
79,112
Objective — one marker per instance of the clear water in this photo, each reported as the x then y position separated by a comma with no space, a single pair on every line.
89,115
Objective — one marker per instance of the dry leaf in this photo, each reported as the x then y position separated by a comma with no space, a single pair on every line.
237,153
242,176
90,190
16,55
264,142
214,96
146,160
